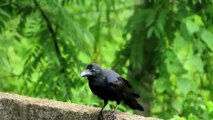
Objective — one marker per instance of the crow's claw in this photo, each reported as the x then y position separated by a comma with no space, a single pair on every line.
112,116
100,116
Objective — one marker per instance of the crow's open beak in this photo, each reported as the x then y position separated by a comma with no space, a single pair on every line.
86,73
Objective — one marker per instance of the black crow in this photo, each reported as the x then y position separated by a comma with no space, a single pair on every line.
109,85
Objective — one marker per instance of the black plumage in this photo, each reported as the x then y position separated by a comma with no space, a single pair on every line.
109,85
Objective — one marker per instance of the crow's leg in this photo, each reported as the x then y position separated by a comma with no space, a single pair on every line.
112,115
100,115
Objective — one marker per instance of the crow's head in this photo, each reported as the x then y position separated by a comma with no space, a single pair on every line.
91,70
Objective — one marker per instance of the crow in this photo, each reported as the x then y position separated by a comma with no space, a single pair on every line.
110,86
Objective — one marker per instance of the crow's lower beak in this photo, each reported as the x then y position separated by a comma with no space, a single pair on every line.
86,73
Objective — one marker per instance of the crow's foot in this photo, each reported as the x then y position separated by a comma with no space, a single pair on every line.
100,116
112,116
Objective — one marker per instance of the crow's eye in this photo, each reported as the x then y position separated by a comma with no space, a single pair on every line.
93,70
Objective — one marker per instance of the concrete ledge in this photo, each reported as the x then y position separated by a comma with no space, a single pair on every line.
17,107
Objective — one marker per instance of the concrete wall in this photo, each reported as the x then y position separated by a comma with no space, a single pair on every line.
17,107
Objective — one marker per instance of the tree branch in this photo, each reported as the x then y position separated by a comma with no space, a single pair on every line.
52,33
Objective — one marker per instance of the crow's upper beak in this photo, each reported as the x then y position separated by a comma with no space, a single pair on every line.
86,73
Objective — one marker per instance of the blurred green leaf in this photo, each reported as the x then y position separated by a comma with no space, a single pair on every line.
191,27
184,85
194,63
192,117
161,85
207,36
177,104
210,106
198,20
150,31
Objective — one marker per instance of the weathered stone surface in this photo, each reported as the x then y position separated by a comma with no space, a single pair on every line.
17,107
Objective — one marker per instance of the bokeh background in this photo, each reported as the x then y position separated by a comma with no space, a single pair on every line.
163,47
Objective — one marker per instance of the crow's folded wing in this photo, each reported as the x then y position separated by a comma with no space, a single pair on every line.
122,88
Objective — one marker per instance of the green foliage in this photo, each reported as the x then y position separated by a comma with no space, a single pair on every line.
181,87
164,48
206,112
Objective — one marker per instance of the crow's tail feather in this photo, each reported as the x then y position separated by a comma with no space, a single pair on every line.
132,103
